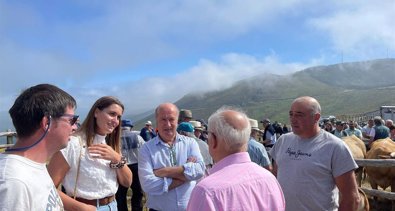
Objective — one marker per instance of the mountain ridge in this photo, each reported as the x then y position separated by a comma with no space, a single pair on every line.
345,88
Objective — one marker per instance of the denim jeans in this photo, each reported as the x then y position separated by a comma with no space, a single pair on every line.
109,207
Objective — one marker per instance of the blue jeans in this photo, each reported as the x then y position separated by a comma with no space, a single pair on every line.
112,206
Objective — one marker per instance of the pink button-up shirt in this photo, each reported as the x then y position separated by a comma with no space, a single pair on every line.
236,183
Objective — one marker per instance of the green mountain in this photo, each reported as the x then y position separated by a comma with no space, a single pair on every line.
347,88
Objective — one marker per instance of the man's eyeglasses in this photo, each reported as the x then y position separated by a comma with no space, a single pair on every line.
71,120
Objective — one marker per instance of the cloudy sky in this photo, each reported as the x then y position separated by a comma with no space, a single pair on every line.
148,52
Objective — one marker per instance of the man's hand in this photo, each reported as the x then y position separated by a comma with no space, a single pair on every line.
104,151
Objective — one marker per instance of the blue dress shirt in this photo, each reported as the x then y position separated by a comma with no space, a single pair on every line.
258,153
156,154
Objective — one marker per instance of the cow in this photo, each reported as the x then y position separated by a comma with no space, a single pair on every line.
364,202
381,176
358,151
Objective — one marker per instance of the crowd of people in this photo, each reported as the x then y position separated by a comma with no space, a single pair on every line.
182,163
375,128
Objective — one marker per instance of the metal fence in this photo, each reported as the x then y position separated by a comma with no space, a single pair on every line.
378,163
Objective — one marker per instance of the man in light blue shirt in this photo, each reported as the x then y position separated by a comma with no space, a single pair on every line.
169,164
256,150
352,130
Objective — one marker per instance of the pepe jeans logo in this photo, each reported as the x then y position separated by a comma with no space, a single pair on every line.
297,154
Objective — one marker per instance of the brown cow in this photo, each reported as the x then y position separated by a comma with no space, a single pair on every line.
381,176
358,151
364,202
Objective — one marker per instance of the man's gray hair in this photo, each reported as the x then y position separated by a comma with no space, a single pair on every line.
234,139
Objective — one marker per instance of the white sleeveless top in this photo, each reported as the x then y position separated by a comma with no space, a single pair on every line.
96,179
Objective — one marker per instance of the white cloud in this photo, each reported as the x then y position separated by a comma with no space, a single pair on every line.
360,28
81,51
207,75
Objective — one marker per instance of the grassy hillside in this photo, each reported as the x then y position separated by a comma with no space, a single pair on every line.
349,88
356,75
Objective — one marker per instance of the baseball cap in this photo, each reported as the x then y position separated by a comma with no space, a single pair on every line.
127,123
185,126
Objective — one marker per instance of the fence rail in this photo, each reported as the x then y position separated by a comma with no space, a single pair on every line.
362,117
377,163
10,138
379,193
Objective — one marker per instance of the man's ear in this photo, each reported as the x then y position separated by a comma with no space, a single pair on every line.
214,141
317,117
45,122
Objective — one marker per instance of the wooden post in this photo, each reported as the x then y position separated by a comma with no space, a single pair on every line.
10,136
10,139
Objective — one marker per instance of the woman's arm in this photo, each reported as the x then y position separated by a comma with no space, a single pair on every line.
57,168
104,151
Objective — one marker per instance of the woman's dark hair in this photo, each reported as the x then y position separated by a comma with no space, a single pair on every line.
89,126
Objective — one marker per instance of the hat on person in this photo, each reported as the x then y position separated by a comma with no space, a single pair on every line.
265,121
197,125
202,122
377,118
148,123
254,124
127,123
185,126
185,113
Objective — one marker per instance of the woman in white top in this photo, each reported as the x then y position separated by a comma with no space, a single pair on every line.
91,167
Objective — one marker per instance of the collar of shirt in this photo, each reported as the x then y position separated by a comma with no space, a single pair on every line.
179,138
241,157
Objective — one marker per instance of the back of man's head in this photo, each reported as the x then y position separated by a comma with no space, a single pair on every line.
185,128
127,124
36,102
185,115
377,120
232,127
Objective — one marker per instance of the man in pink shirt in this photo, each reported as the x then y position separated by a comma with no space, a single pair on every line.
234,182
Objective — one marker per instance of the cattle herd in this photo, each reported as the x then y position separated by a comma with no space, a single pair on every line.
382,177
